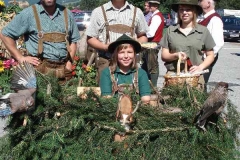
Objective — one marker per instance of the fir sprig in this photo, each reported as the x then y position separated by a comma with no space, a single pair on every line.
64,126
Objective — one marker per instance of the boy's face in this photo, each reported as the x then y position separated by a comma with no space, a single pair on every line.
126,56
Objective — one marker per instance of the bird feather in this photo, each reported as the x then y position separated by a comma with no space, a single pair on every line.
216,100
24,77
24,82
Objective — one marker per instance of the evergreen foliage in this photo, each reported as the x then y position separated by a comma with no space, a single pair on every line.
64,126
164,7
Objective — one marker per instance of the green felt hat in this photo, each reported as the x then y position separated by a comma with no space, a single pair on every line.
187,2
124,39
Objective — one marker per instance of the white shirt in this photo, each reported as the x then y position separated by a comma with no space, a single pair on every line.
124,15
155,23
215,27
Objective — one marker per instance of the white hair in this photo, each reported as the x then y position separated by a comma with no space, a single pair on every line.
212,2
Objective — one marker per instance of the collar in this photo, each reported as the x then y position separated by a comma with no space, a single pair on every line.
149,14
176,28
155,12
128,72
42,10
109,6
209,13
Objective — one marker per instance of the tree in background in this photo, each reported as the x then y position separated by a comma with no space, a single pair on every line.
91,4
165,5
229,4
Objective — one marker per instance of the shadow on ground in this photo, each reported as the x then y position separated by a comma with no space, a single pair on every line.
237,54
229,84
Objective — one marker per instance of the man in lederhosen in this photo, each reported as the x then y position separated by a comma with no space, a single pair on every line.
108,22
50,35
150,55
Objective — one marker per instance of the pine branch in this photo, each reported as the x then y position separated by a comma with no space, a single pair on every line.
167,129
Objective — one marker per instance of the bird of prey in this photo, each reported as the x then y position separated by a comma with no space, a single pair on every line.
23,82
214,104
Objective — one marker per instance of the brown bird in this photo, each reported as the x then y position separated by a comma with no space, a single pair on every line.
24,83
213,105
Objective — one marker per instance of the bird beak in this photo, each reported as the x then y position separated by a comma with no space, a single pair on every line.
230,89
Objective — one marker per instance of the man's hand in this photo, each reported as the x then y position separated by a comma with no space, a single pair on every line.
69,66
32,60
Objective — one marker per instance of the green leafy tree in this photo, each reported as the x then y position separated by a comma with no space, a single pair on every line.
229,4
164,7
87,4
91,4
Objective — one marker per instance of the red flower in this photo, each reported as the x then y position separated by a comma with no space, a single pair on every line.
84,66
8,63
73,67
76,58
73,73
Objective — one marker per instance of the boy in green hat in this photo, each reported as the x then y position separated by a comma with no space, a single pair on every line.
123,71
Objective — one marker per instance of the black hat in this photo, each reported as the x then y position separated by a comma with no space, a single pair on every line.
156,1
124,39
187,2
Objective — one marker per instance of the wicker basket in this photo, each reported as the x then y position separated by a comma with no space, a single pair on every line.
180,80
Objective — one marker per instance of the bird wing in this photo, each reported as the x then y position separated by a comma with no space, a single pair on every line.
27,92
212,104
6,96
23,77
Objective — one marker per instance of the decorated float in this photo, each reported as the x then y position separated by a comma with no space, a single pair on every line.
70,124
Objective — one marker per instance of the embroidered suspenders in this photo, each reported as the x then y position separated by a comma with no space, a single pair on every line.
118,88
51,36
118,28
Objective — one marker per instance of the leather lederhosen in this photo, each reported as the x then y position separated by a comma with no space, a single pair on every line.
46,66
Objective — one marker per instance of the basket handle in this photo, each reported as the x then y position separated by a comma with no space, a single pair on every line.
178,66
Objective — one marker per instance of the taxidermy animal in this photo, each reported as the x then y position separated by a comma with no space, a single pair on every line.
213,105
125,111
23,82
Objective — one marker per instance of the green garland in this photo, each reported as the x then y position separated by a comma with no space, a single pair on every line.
63,126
